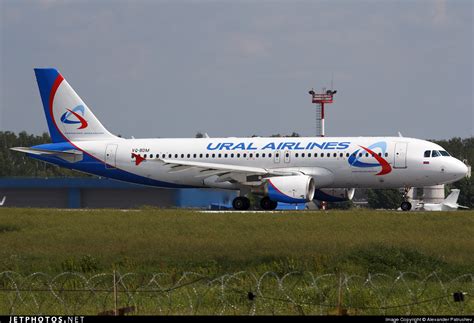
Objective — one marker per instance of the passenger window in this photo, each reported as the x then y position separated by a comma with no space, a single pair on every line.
213,155
189,155
238,155
245,155
347,154
207,155
182,155
287,155
231,155
341,155
277,155
250,155
335,154
302,154
296,155
144,156
360,154
386,154
219,155
315,154
256,155
270,155
194,156
328,155
427,153
200,155
263,155
225,155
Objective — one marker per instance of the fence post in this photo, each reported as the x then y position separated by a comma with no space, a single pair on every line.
115,294
340,309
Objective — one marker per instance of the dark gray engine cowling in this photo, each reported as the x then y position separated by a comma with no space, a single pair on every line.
334,194
290,189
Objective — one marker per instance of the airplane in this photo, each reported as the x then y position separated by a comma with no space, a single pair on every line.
289,170
450,203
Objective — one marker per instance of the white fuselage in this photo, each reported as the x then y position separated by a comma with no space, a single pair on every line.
326,159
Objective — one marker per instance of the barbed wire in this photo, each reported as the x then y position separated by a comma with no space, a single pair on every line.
242,292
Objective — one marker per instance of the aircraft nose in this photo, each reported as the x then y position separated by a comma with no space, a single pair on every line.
458,169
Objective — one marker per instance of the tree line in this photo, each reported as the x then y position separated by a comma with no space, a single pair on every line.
15,164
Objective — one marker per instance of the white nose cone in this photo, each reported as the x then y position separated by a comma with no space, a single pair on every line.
458,169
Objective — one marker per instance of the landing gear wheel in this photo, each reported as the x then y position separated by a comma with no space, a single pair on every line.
241,203
406,206
268,204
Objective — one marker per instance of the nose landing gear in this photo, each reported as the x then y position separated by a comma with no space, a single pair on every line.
406,205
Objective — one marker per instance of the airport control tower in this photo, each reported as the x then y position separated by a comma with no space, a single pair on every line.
320,99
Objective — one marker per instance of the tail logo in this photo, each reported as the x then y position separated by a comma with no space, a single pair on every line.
381,162
78,118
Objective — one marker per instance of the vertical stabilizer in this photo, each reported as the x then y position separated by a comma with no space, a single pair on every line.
452,198
69,118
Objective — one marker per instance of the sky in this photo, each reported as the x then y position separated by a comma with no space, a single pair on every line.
240,68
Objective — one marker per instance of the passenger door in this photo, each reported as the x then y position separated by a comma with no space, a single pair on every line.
111,156
400,156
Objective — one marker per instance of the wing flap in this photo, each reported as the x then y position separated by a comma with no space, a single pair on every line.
224,172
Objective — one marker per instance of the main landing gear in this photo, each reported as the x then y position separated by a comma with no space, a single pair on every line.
268,204
406,206
241,203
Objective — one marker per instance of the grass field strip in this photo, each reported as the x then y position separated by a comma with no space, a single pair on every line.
239,293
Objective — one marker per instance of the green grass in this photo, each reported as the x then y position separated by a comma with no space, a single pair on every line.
151,240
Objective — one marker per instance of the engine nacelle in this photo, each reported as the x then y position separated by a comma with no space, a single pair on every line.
334,194
290,189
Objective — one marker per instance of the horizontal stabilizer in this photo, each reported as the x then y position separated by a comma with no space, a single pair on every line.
71,155
455,206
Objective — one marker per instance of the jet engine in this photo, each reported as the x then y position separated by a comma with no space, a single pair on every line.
290,189
334,194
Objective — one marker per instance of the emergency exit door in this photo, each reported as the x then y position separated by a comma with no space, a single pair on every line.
277,157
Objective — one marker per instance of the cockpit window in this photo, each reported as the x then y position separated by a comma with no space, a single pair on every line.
435,153
444,153
427,153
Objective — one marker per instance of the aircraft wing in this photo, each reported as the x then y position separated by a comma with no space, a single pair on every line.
241,174
71,155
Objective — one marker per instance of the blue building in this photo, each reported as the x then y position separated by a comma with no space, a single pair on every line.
104,193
